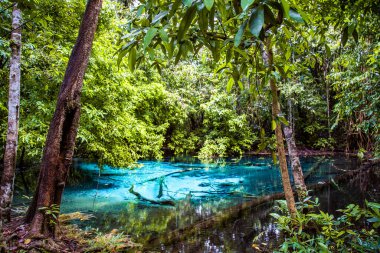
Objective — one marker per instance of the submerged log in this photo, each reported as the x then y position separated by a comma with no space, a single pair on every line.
156,202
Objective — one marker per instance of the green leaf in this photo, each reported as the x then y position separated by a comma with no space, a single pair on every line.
286,7
159,16
240,33
230,84
123,51
256,21
241,86
132,59
208,4
275,215
373,205
187,3
186,22
163,35
140,10
274,124
149,36
245,4
283,120
323,247
293,14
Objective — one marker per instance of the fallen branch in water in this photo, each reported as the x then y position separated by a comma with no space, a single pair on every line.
157,202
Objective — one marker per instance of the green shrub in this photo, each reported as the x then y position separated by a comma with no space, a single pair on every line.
313,230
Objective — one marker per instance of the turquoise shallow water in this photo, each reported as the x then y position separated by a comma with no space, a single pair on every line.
198,190
231,181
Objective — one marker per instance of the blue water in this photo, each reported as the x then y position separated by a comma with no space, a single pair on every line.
198,190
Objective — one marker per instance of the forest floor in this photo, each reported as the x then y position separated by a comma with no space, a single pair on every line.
69,238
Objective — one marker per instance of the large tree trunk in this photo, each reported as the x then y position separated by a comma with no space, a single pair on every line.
268,59
60,141
10,154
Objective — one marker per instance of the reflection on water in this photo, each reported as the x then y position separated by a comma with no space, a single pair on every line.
199,190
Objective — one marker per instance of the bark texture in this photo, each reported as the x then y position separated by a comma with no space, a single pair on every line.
295,162
60,141
268,59
10,154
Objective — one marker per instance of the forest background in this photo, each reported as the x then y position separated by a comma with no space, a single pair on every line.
330,92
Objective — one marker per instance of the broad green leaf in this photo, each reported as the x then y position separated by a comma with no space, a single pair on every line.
241,86
274,124
295,16
140,10
256,21
163,35
283,120
159,16
245,4
187,3
373,205
230,84
132,59
149,36
286,7
288,53
240,33
208,4
186,22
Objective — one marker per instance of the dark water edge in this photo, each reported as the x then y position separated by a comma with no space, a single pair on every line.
256,226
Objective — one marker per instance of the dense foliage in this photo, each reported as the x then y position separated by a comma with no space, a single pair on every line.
212,104
356,230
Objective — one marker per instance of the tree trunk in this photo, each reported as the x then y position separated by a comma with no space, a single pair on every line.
10,154
295,162
268,59
60,141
